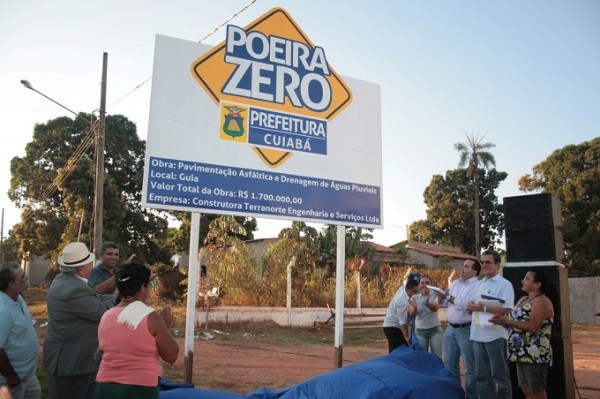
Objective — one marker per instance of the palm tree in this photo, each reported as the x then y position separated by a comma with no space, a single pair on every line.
475,155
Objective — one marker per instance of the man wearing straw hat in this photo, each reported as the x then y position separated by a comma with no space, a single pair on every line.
74,312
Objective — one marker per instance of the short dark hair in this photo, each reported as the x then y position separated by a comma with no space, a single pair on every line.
476,266
495,255
131,277
108,244
411,283
415,276
7,274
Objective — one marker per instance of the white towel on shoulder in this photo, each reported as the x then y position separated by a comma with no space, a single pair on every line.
133,314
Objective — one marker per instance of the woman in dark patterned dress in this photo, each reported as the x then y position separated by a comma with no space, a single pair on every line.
530,326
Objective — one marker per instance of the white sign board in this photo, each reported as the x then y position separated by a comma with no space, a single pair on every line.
260,125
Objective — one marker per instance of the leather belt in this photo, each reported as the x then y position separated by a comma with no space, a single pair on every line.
460,325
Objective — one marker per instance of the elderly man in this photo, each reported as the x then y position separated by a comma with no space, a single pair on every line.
457,342
493,295
102,277
18,340
74,312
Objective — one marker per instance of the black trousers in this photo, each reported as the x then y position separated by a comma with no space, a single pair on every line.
72,386
395,337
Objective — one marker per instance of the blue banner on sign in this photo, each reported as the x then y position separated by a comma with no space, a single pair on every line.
189,185
287,132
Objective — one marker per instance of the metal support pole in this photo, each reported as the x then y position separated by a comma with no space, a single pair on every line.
192,291
339,296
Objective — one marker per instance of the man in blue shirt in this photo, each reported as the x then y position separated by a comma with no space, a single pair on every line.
19,343
102,277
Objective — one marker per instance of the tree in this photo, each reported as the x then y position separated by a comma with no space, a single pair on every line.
223,231
179,238
229,263
474,155
55,189
356,245
10,251
299,230
298,240
450,208
572,173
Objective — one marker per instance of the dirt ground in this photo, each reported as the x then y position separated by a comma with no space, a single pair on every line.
244,357
252,361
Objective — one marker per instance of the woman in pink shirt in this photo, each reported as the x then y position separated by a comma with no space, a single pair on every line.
133,337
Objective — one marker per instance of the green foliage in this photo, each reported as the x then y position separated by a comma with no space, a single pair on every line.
475,155
356,245
10,249
299,230
53,217
450,208
179,238
223,231
572,173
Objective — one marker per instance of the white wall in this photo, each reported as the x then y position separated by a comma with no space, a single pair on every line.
584,299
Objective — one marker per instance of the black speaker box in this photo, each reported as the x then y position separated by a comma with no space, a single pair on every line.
560,382
559,294
534,244
532,211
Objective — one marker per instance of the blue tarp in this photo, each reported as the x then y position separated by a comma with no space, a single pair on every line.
405,373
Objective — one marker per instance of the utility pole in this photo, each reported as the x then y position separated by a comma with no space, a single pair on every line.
2,237
99,197
100,138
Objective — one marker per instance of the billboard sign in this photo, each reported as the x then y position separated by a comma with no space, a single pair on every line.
262,125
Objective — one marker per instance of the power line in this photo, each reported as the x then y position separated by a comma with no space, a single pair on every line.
68,168
200,41
87,142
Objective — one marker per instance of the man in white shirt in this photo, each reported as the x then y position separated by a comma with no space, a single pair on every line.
457,342
493,295
397,321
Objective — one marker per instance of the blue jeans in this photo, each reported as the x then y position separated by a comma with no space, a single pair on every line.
431,339
457,343
27,389
491,369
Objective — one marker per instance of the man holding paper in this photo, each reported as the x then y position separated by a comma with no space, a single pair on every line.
457,342
493,295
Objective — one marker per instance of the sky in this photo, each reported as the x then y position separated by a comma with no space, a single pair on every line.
524,74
